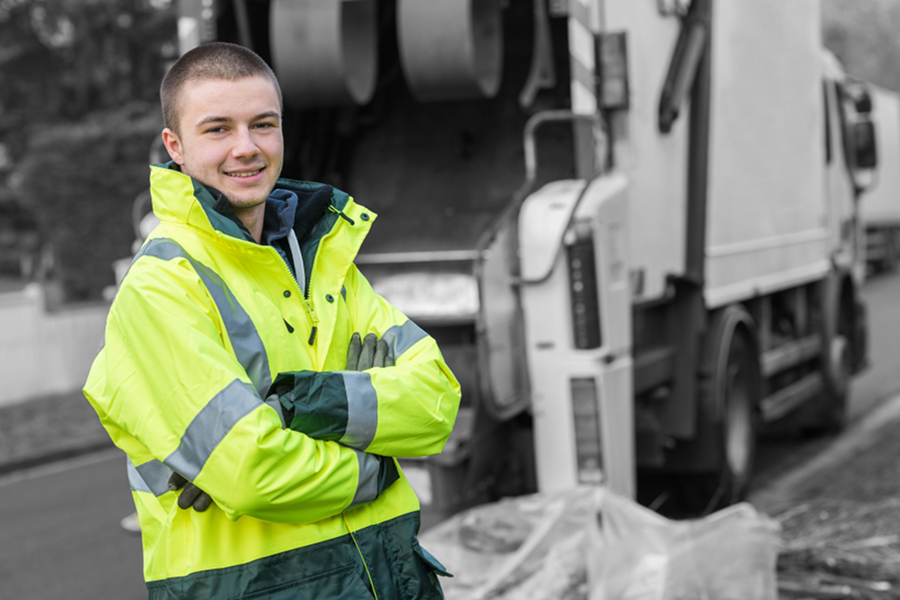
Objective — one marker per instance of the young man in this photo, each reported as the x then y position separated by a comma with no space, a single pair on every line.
232,360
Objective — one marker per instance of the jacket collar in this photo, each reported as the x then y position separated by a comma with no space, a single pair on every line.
298,204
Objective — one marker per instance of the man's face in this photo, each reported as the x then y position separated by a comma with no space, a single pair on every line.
230,138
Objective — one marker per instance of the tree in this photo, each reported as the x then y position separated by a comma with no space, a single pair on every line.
863,35
79,83
60,59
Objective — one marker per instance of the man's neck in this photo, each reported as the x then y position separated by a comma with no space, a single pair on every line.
252,218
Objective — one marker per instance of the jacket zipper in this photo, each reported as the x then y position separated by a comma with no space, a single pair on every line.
315,322
310,311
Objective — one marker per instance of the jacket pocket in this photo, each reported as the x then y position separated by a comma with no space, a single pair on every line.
427,569
430,560
340,584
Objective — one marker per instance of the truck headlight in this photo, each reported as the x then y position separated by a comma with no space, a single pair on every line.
586,424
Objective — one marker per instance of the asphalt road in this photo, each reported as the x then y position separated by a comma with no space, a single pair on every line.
59,525
882,378
60,535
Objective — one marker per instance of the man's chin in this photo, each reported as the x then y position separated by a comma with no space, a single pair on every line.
245,203
246,199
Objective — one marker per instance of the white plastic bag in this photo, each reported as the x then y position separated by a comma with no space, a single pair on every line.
524,548
590,543
636,554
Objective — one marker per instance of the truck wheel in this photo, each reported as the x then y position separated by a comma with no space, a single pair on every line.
836,388
892,248
830,414
889,262
730,401
738,386
836,324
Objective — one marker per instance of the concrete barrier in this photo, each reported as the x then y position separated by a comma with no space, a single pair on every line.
42,352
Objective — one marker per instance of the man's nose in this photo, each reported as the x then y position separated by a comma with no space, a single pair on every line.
244,144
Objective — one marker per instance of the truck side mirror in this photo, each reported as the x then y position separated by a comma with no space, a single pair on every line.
866,153
864,103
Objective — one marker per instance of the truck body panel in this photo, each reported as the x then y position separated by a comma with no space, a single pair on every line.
655,162
840,180
767,215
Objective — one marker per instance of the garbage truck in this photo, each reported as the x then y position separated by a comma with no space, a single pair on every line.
880,204
631,225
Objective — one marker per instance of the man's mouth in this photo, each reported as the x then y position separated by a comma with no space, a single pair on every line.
242,174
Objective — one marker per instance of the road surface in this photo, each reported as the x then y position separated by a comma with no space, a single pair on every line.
59,526
60,534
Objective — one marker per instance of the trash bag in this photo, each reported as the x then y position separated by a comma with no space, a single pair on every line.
523,548
592,544
637,554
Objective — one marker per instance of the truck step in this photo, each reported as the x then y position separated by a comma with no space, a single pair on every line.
790,397
790,354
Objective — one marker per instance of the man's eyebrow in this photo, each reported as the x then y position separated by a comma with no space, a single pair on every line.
269,114
212,119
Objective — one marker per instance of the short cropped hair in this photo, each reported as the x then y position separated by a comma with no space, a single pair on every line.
216,60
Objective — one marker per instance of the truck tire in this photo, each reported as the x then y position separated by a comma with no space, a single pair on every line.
892,250
729,403
836,388
889,262
836,325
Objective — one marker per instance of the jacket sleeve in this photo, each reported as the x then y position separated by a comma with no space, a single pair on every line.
171,393
401,411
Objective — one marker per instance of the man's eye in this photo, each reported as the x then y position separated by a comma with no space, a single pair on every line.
266,125
215,130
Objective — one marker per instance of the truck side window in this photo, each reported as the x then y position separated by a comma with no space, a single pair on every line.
841,98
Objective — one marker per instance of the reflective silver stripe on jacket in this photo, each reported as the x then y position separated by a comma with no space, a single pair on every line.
202,436
362,399
151,477
401,338
210,427
248,346
367,489
362,410
273,401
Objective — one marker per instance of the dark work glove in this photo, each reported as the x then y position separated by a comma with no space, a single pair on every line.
191,496
314,403
369,353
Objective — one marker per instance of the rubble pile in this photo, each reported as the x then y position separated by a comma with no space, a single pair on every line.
840,549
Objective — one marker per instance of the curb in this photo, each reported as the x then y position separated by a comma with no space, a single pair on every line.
39,460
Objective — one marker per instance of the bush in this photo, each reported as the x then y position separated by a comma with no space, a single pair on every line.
80,180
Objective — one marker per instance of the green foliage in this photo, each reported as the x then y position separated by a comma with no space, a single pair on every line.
79,82
65,58
863,34
80,180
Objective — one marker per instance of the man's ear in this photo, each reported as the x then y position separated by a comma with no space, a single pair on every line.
173,145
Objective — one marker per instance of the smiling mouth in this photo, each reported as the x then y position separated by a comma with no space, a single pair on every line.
242,174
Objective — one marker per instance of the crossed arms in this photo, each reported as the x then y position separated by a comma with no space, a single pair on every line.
314,450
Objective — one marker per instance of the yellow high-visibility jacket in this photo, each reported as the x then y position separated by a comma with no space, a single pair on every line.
203,324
